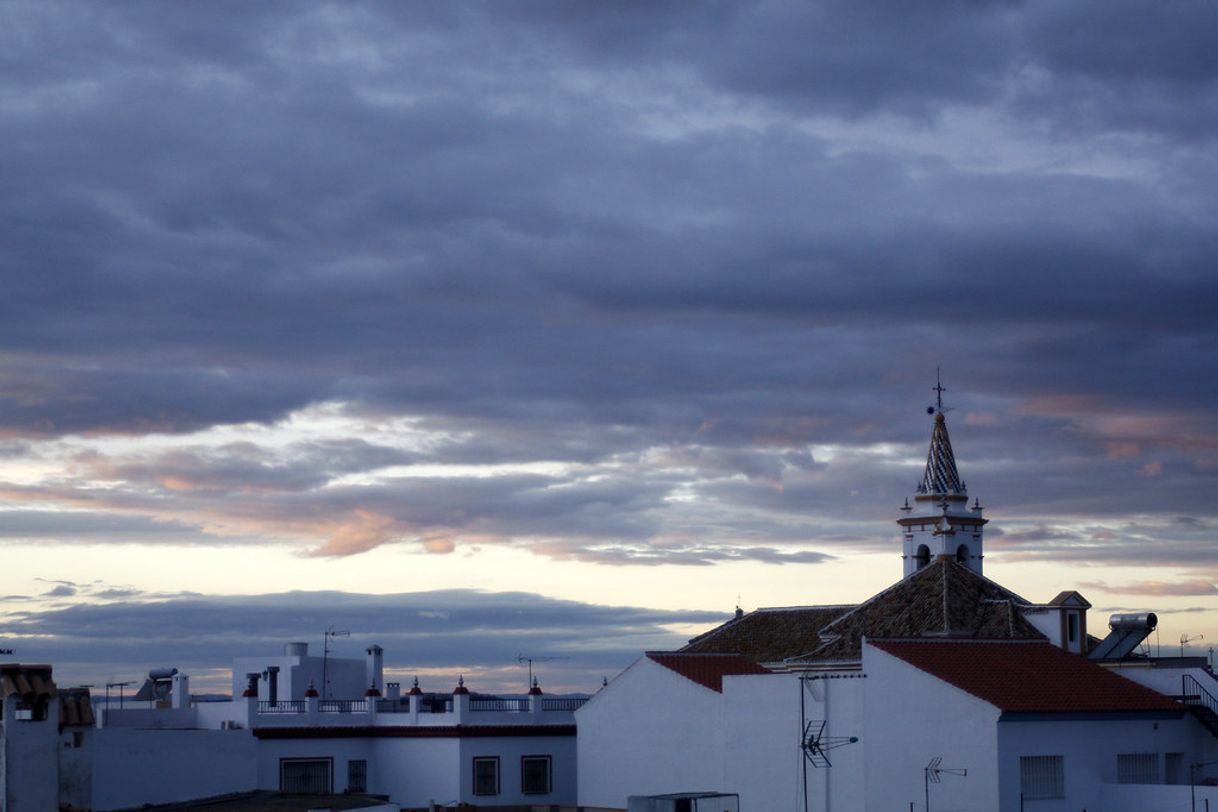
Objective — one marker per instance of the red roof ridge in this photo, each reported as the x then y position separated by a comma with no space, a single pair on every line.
706,669
1026,676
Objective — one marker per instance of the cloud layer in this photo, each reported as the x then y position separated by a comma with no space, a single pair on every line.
629,284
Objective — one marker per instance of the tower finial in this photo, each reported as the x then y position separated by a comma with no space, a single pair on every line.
938,389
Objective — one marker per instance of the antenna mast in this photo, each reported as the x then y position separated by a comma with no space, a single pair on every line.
325,657
520,658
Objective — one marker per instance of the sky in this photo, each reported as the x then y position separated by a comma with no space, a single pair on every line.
557,330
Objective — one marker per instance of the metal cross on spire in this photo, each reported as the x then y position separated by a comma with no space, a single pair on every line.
938,389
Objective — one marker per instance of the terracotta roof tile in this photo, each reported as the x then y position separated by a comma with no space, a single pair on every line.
769,635
708,670
1026,677
29,682
944,599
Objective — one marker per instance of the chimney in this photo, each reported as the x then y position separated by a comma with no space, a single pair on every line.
272,683
251,689
180,693
374,671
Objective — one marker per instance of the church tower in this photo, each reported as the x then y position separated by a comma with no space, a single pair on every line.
940,522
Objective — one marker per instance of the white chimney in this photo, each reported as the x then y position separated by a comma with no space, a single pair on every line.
374,671
179,695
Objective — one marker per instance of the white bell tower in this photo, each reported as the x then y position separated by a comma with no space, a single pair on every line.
940,523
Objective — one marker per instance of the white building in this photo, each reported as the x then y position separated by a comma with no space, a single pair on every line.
944,691
416,749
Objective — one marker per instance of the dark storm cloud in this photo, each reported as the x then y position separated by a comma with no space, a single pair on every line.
418,630
676,244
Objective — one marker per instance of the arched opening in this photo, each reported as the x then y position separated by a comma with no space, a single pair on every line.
962,554
923,556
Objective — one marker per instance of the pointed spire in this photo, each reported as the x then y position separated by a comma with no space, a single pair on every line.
941,476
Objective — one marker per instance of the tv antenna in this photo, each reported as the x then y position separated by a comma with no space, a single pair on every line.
813,741
520,658
325,656
1185,639
931,774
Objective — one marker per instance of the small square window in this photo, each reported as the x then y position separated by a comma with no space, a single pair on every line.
486,775
535,775
1042,777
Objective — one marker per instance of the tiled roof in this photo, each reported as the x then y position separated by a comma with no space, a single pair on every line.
30,682
1070,598
75,707
941,476
769,635
944,599
708,670
1026,677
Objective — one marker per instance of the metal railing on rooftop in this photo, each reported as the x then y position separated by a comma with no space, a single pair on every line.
1193,694
343,705
285,706
563,703
501,705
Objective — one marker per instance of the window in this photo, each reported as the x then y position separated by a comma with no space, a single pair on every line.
357,775
923,555
962,554
308,776
535,775
486,775
1072,627
1042,777
1173,768
31,711
1137,768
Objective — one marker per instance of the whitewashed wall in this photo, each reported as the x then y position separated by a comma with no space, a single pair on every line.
510,750
419,771
1089,750
912,717
29,755
133,767
76,768
340,751
762,733
649,732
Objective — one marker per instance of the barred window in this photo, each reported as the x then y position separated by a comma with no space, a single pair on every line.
486,775
535,775
1042,777
357,775
305,775
1137,768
